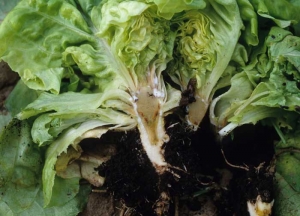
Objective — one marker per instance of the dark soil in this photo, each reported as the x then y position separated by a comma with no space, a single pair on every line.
130,176
203,179
7,81
252,148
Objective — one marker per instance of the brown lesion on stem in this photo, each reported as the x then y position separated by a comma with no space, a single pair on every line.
148,108
196,104
197,111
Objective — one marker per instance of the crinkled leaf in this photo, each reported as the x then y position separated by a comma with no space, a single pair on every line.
250,33
241,88
273,77
282,12
138,36
167,8
67,102
51,27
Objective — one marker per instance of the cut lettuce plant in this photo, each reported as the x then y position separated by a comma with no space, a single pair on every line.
94,70
97,66
91,66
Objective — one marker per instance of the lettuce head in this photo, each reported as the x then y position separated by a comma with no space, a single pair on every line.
205,42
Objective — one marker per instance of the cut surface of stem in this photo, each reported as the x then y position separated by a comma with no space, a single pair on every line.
196,112
150,122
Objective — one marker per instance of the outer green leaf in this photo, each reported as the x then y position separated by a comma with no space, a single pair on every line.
4,120
250,33
67,102
71,108
19,98
287,198
21,163
282,12
71,137
241,88
64,189
38,48
20,178
287,175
